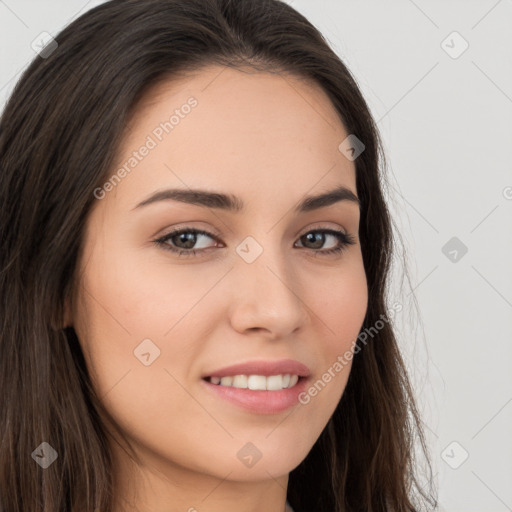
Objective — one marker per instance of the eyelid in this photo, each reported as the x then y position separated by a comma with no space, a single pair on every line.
214,233
322,227
344,240
209,231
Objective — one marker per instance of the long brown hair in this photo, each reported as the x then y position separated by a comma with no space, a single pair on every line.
58,135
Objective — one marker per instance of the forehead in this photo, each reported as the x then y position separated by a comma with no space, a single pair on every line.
220,127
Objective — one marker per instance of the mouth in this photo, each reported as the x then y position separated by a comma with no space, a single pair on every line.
257,382
258,394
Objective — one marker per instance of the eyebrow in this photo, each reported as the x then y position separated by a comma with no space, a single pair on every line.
230,202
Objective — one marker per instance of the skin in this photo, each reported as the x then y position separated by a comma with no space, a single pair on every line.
270,139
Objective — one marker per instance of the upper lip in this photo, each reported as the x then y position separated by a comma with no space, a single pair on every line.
266,368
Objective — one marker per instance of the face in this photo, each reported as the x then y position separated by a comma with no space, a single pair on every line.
158,312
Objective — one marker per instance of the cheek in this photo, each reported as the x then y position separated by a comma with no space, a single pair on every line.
341,304
122,311
135,305
140,294
341,307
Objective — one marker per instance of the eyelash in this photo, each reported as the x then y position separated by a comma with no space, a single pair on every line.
344,239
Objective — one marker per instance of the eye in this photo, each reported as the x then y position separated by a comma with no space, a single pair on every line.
318,236
183,241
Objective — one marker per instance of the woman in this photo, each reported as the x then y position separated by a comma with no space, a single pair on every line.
193,274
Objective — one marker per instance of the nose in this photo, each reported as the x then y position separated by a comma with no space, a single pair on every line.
266,297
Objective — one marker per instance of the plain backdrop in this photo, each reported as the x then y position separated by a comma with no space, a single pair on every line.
438,78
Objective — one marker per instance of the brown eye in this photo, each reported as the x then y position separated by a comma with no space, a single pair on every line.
183,240
318,238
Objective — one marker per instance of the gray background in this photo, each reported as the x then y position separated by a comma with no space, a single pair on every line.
445,118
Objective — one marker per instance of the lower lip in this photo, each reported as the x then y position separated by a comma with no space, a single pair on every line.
260,401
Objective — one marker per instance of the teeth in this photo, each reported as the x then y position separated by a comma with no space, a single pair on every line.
293,380
240,381
257,382
226,381
274,382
